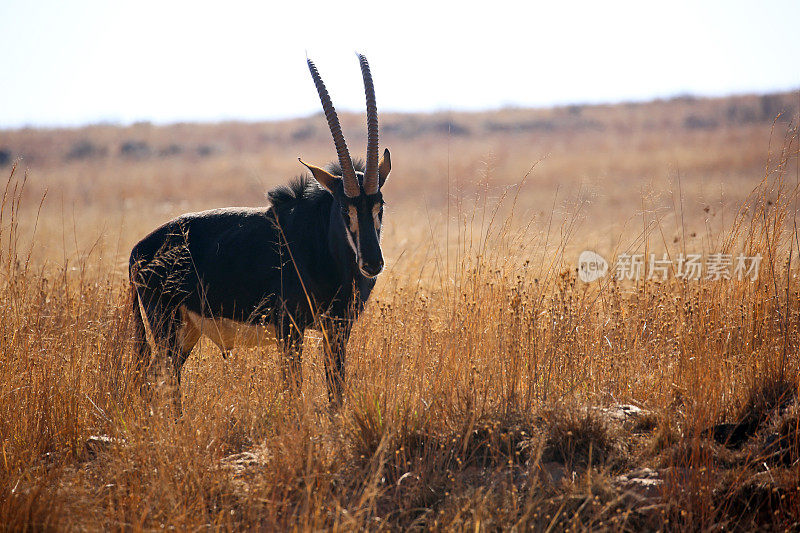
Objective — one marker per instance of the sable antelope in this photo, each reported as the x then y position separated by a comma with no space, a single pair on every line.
247,275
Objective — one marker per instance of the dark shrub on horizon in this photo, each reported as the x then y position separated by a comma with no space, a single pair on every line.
205,150
85,149
697,122
529,125
135,149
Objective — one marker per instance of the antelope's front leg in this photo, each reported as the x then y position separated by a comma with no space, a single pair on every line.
291,345
335,335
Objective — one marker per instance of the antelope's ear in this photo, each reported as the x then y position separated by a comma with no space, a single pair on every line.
323,177
384,167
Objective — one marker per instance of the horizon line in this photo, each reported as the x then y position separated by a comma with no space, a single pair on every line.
125,123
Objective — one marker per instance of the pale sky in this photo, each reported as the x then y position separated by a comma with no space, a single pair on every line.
86,61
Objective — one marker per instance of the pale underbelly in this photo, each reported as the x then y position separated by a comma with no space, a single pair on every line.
223,332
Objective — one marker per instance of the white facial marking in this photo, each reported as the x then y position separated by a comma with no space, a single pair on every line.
353,230
376,211
353,220
351,243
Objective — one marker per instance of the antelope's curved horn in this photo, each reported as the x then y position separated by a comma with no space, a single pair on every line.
349,179
371,173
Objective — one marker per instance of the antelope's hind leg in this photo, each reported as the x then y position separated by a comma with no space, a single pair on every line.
335,333
186,337
174,336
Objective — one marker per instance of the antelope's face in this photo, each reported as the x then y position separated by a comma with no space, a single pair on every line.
363,217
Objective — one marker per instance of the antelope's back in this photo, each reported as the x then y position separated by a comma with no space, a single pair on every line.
233,252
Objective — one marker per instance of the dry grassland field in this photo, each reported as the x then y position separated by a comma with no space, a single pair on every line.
488,386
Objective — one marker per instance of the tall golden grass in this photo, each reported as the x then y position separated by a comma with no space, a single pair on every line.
476,375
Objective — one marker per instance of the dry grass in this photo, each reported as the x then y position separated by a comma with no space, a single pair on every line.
479,374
